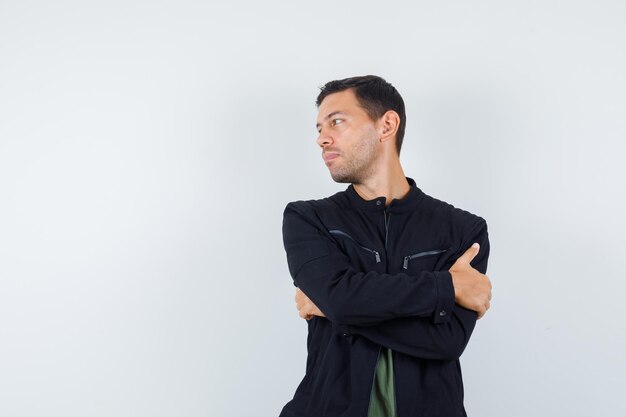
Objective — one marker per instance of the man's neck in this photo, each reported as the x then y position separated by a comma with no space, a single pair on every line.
391,184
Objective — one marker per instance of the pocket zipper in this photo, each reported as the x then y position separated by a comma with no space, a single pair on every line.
419,255
342,233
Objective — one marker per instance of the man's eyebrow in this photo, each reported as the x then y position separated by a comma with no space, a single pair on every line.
317,125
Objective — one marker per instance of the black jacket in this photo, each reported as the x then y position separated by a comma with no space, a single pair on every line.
380,276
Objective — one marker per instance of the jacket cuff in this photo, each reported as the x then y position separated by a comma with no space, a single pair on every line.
445,297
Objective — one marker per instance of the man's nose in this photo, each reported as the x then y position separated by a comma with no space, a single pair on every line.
324,139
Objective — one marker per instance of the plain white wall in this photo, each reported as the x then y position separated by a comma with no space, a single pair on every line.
148,148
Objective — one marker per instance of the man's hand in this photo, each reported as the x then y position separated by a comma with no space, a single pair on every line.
472,289
306,308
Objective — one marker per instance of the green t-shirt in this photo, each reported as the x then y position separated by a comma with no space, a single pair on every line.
382,399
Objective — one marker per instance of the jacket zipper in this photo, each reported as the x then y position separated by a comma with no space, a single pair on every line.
419,255
342,233
387,219
393,360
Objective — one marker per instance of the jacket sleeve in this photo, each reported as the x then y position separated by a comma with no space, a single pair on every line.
419,337
346,296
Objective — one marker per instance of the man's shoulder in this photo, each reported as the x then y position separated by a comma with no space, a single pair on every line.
336,201
440,210
303,215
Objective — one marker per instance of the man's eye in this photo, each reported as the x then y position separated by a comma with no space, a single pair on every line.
336,122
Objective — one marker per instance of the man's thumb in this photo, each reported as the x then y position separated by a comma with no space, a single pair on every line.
470,253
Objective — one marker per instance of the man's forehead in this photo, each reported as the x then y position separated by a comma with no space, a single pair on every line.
342,102
345,97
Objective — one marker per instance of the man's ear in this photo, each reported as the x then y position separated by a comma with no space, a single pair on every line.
389,123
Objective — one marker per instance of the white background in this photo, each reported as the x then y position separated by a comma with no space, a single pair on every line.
148,148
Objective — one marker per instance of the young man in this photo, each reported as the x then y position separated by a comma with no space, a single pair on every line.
383,271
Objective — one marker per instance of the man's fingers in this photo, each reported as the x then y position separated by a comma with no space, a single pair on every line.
469,254
306,308
301,304
483,310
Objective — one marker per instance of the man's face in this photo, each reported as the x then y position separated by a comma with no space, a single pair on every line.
348,138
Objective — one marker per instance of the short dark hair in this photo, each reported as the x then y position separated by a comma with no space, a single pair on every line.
375,95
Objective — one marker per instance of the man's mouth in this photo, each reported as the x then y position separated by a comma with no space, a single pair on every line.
329,156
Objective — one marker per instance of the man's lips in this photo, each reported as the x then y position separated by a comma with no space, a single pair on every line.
329,156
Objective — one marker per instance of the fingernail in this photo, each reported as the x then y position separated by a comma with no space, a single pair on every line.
476,245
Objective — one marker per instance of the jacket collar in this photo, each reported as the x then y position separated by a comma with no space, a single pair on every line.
378,204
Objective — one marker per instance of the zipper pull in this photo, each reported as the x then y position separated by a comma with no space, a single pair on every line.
406,262
377,257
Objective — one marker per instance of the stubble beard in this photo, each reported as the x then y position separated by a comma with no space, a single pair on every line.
358,166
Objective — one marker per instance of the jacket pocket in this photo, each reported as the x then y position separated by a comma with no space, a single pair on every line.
421,254
336,232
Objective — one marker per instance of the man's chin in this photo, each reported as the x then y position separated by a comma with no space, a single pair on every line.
341,179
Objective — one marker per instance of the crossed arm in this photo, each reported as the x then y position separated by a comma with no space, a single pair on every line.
472,289
394,310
